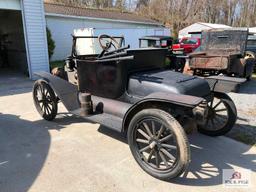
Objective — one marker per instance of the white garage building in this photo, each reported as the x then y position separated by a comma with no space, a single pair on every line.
62,20
23,41
196,29
252,30
22,30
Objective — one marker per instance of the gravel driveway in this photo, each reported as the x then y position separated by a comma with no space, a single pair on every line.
245,101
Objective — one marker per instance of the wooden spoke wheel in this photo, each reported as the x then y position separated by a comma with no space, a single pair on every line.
221,117
158,143
45,100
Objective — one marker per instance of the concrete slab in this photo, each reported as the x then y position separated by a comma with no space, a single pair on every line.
12,82
70,154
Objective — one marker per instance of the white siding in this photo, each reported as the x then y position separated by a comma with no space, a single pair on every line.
35,28
10,4
62,28
252,30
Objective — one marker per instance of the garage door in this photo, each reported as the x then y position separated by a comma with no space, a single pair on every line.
10,4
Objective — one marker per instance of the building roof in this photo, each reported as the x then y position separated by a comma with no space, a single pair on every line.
199,27
61,9
214,25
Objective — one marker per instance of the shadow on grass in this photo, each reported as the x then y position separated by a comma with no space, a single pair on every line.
244,133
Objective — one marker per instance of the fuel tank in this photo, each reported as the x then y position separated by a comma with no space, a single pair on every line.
144,83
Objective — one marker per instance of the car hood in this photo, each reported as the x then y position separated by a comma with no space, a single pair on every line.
144,83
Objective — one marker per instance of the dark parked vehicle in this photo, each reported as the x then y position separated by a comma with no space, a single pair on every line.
130,91
222,51
175,58
251,46
156,41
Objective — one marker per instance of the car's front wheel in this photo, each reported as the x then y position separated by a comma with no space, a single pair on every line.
158,143
45,101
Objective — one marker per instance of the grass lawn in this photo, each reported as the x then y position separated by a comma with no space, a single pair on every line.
59,63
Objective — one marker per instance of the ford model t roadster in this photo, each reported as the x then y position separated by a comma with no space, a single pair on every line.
129,91
174,57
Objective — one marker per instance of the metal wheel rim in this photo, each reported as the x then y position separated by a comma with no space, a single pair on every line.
44,99
218,115
156,145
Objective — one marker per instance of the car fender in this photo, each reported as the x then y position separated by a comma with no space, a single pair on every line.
153,99
224,84
67,92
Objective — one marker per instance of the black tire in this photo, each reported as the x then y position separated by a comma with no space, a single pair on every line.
45,100
164,128
249,68
249,78
251,56
219,123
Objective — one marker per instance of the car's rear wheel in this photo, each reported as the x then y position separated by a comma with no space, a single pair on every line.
158,143
221,117
250,55
249,67
45,100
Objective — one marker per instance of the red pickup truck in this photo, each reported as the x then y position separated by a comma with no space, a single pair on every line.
189,44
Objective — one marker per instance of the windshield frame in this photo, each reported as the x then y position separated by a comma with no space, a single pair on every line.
74,51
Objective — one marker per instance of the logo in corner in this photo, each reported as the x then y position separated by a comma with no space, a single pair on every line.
236,178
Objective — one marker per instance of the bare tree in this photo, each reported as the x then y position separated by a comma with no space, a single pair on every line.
178,14
120,4
141,3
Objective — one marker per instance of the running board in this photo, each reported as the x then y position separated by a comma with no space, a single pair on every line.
105,119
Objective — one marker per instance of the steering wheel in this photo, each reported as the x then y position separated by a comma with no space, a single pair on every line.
108,44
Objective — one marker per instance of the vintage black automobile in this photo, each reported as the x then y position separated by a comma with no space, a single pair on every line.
174,58
156,41
130,91
251,46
